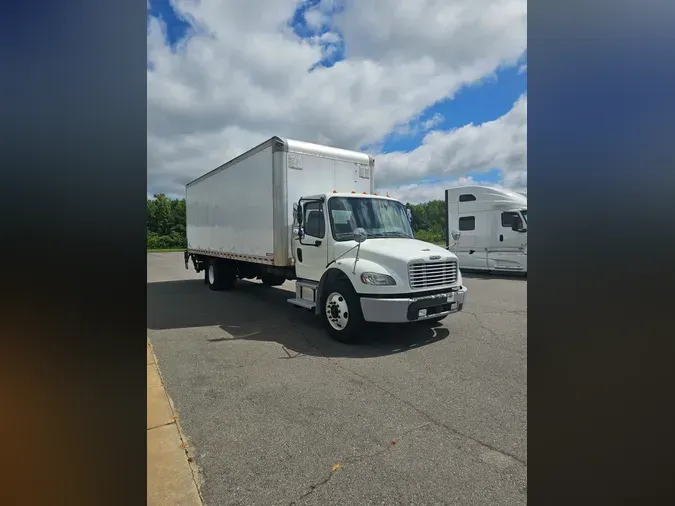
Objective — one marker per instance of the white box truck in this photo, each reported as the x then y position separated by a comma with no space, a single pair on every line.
291,210
492,223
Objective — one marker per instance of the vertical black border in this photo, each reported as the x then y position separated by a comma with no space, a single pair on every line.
601,196
73,289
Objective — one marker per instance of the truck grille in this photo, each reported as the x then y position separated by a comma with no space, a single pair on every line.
428,275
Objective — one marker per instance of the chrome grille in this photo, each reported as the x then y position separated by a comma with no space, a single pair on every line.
429,275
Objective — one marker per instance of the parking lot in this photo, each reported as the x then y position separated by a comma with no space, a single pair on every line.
277,413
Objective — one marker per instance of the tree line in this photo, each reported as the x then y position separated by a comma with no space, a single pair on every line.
166,222
428,221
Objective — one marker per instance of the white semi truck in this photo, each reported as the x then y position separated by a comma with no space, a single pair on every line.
291,210
493,227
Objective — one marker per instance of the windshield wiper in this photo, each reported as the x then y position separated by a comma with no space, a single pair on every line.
398,234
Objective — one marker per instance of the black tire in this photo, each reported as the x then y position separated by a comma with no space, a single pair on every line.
341,293
220,275
270,280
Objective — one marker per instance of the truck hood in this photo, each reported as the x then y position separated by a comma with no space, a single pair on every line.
384,251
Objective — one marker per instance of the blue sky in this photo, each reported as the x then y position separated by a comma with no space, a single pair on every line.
176,27
475,104
483,101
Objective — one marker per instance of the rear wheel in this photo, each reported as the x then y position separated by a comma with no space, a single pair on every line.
342,312
271,280
220,275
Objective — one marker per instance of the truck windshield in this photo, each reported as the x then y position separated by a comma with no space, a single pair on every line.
524,212
379,217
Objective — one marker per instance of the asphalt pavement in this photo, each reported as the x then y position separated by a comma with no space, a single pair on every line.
276,413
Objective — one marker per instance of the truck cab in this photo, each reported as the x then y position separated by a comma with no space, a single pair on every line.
356,261
493,227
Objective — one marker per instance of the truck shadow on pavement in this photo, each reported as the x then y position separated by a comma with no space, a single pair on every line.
253,312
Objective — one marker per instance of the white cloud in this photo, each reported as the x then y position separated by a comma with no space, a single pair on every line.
242,76
435,120
471,34
499,144
424,192
415,126
315,18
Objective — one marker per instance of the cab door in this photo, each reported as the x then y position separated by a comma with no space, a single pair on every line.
310,248
509,240
507,249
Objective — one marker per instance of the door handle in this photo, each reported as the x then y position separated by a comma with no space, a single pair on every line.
299,255
501,238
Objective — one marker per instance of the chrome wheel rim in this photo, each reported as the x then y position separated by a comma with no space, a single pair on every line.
337,311
212,275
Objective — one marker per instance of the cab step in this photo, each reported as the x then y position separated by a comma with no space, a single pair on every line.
305,294
307,304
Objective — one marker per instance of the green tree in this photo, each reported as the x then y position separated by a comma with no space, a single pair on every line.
428,222
165,222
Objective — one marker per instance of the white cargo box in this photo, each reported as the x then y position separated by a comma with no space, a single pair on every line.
243,210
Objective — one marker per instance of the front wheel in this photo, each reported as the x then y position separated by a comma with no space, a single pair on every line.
342,312
220,275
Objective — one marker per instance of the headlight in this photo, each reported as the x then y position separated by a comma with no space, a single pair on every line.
373,278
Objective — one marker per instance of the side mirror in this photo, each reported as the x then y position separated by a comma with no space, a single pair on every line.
517,225
360,235
297,210
455,234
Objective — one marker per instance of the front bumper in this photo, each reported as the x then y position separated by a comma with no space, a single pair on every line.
412,309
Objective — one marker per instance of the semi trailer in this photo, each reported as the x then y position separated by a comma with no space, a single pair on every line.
292,210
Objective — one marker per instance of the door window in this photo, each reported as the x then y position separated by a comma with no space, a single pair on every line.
315,223
508,218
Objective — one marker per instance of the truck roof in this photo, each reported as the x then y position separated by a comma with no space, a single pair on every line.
294,146
325,151
336,193
497,198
